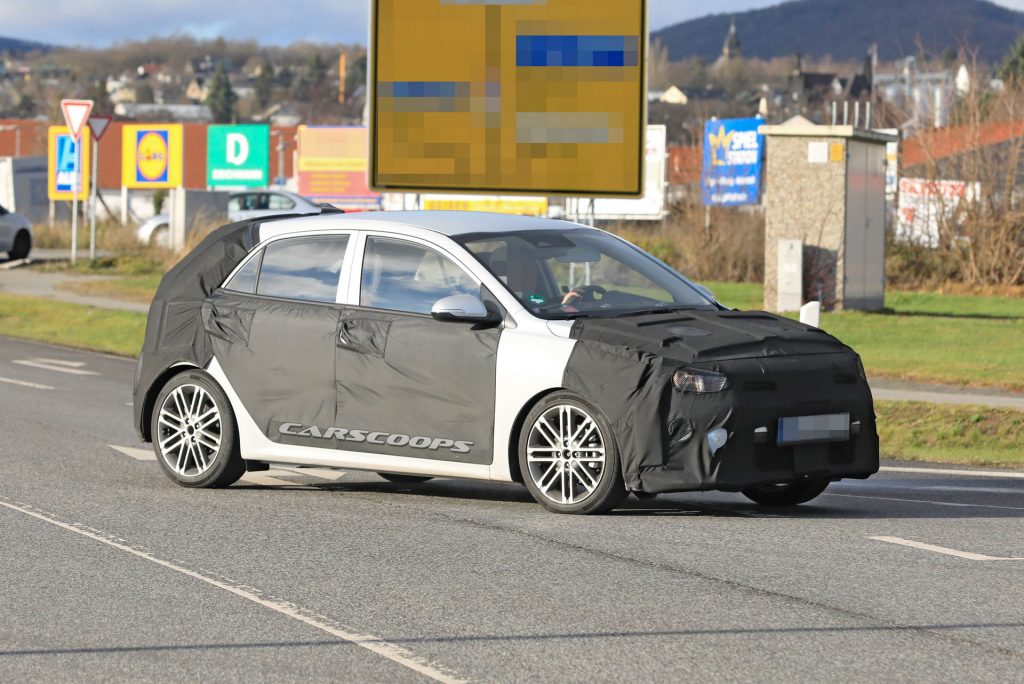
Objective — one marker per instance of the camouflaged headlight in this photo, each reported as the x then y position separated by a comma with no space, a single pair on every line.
697,381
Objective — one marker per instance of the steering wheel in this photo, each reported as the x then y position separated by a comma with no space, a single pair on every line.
584,293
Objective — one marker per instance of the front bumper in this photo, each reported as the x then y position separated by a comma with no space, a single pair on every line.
760,391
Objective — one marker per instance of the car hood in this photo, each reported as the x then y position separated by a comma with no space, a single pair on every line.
695,336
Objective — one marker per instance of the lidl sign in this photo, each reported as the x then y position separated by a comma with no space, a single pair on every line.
67,166
238,156
151,156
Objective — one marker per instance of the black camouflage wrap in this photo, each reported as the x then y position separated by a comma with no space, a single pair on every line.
776,368
174,329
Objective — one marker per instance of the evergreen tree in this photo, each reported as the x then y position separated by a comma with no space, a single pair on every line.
1013,67
220,98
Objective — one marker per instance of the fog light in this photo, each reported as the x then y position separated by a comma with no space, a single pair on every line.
717,439
697,381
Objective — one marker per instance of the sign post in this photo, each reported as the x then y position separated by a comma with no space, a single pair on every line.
76,113
97,126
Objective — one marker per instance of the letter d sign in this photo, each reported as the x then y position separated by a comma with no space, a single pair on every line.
238,148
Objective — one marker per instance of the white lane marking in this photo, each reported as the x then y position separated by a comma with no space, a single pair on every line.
392,652
23,383
137,454
925,501
70,367
319,473
942,549
945,471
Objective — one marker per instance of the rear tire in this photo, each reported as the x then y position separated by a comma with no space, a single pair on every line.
786,493
22,246
194,432
568,456
405,479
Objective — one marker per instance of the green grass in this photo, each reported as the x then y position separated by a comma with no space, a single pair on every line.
72,325
133,288
925,337
967,435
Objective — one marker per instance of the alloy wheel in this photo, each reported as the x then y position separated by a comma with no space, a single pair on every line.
565,454
189,430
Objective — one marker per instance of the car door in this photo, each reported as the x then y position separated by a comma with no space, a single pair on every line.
273,328
6,229
409,385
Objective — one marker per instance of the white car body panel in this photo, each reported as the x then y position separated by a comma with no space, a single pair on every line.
531,358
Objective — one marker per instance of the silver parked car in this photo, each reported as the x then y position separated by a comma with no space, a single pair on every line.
241,206
15,234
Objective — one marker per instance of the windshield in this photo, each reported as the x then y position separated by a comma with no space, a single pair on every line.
573,273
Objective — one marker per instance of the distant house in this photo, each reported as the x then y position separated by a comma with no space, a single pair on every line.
196,90
185,113
672,95
810,92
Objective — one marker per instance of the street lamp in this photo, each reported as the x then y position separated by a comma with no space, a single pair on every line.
17,137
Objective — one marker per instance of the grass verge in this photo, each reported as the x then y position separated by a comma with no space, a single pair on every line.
964,435
137,288
72,325
966,340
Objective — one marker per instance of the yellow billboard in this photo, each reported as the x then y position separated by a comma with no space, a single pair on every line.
509,96
151,156
523,206
61,162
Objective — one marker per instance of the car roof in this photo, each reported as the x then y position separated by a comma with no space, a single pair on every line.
450,223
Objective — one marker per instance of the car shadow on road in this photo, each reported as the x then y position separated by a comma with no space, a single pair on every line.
830,506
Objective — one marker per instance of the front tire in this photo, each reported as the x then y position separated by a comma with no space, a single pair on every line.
194,433
568,456
786,493
22,246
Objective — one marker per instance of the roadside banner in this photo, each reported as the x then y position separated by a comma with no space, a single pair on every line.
238,156
61,165
498,204
733,150
650,207
925,205
332,165
151,156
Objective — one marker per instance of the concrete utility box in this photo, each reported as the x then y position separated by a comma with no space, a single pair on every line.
192,209
826,188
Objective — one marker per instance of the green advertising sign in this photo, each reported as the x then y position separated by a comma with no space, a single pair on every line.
238,156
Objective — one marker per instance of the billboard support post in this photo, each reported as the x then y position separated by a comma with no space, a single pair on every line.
124,205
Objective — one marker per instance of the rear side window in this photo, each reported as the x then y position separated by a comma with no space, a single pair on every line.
280,202
245,279
305,268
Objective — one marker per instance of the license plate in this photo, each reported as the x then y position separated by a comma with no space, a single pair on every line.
832,427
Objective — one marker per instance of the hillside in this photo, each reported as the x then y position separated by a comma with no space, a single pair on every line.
16,45
844,29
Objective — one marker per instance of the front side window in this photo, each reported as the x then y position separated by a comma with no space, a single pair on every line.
306,268
403,276
281,203
560,274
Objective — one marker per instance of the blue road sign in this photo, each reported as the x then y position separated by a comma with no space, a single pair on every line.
65,159
733,150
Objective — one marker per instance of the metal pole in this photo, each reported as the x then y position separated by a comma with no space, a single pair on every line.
94,189
76,187
124,205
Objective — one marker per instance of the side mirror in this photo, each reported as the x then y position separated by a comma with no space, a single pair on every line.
460,307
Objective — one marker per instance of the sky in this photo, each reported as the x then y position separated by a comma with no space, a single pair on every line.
97,23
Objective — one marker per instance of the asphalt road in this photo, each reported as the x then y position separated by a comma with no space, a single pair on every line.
111,572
